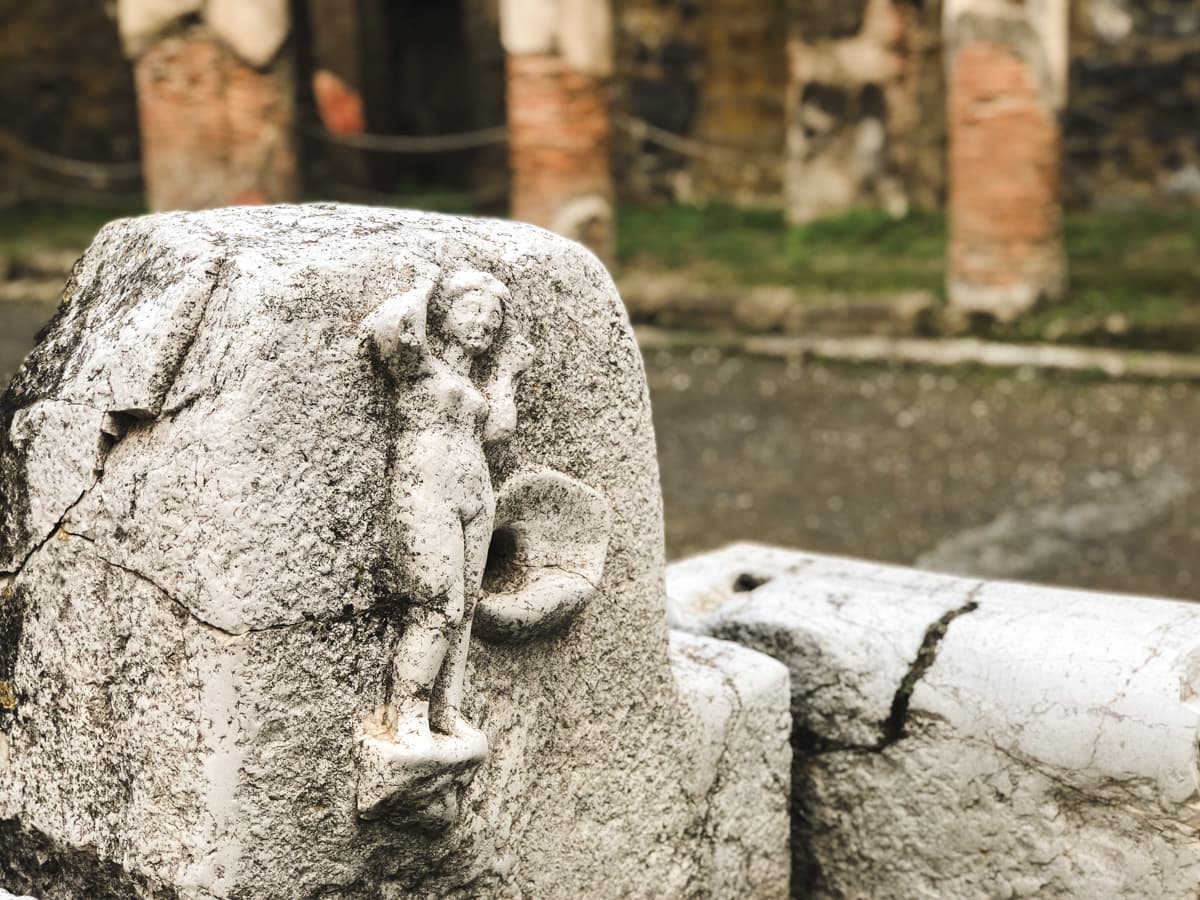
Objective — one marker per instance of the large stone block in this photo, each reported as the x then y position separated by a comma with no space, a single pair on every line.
255,480
959,738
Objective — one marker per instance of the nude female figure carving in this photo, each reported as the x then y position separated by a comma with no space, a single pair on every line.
432,339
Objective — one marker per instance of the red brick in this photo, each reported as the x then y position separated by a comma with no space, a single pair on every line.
214,130
339,105
1005,160
560,136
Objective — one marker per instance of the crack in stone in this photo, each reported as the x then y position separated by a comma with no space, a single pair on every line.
809,743
109,441
897,720
141,576
224,632
14,573
563,569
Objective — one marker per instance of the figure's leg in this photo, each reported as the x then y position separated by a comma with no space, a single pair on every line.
448,692
434,562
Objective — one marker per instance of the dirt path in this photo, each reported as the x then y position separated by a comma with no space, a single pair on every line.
1073,481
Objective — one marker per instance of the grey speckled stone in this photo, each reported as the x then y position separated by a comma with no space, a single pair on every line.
961,738
200,610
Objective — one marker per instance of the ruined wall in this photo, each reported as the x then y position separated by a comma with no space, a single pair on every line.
66,88
864,108
1131,132
716,72
713,72
733,74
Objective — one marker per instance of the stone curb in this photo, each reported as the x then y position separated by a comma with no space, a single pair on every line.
938,352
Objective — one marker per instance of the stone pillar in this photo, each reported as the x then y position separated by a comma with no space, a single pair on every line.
560,131
215,100
1007,74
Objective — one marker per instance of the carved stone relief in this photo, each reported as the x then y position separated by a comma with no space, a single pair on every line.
236,654
454,389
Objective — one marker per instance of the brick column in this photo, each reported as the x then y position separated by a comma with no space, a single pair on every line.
215,103
1007,82
559,63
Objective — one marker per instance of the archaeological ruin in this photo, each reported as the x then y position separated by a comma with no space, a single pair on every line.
333,556
1001,113
331,565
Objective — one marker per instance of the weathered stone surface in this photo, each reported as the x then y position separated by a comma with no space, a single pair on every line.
529,27
579,30
970,739
218,561
585,36
741,699
253,29
140,22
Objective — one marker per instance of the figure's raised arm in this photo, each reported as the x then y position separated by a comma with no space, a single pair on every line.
396,330
502,407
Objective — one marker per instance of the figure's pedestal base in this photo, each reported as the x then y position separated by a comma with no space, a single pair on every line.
413,777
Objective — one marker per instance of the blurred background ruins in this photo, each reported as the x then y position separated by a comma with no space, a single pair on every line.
866,180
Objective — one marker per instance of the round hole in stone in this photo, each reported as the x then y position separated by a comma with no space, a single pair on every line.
746,582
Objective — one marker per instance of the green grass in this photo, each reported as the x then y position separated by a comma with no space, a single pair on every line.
28,230
725,245
1134,275
1134,282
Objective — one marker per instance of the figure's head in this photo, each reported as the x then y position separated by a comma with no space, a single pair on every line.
474,310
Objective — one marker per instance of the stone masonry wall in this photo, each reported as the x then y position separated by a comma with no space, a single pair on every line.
714,72
864,101
66,88
1131,128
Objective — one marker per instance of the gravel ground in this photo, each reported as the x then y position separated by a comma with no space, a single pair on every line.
1067,480
1072,481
